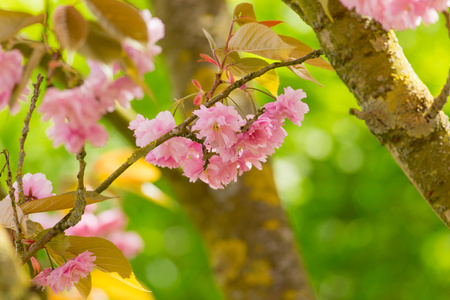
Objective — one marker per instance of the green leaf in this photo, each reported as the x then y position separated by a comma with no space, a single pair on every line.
325,8
301,49
244,13
11,22
70,27
302,72
109,258
59,202
260,40
100,46
119,19
84,286
246,65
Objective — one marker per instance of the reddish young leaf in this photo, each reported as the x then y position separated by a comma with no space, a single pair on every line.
271,23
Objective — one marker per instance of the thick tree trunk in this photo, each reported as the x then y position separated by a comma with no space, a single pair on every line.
393,99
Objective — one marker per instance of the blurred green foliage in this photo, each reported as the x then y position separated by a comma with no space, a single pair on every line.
363,229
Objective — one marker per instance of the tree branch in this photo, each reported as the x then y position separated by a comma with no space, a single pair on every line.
439,101
180,129
372,65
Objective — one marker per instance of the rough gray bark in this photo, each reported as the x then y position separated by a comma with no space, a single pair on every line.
393,100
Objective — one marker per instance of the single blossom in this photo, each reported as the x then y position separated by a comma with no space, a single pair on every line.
147,131
288,105
35,186
170,154
66,275
219,173
143,56
11,71
218,125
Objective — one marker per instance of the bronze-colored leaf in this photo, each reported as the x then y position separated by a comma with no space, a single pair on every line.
302,72
57,244
109,258
59,202
119,19
70,27
11,22
100,46
244,10
246,65
260,40
301,49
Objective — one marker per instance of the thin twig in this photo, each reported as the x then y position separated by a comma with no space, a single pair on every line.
18,232
181,128
439,101
447,21
69,220
23,137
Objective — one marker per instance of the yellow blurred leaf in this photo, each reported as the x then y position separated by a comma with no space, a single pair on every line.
244,13
260,40
140,172
84,286
59,202
118,289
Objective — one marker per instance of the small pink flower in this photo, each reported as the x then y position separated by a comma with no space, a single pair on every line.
219,173
129,242
147,131
65,276
218,125
35,264
288,105
41,278
169,154
11,71
143,57
35,186
74,138
193,163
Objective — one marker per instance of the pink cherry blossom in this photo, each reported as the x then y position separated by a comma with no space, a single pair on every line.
193,163
65,276
218,125
399,14
129,242
147,131
41,278
288,105
170,154
74,138
143,56
11,71
219,173
35,186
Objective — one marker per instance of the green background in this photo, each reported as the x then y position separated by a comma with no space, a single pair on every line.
363,229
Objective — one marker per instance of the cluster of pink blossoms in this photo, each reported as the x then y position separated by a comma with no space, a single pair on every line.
226,150
109,224
399,14
11,71
76,112
66,275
